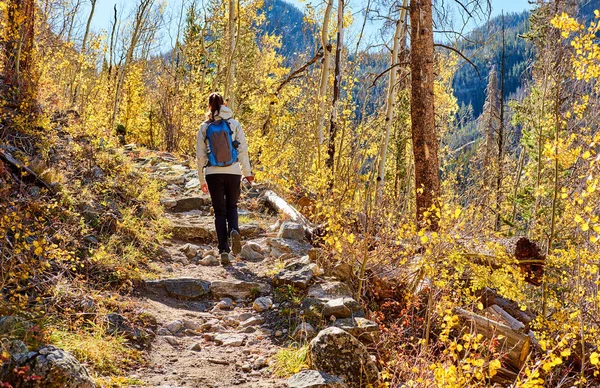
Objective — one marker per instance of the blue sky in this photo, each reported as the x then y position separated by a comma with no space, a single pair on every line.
104,13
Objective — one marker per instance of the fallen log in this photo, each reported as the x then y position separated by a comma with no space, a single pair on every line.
489,297
22,172
529,256
513,344
280,205
499,313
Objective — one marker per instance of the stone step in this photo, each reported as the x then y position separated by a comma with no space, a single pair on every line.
186,204
193,226
191,288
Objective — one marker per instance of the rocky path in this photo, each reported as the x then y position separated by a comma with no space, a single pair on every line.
220,326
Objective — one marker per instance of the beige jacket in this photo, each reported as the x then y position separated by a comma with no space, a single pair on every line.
243,167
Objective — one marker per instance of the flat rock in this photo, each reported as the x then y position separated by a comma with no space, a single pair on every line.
291,231
336,351
186,204
251,230
296,274
281,246
227,339
253,321
183,288
238,289
192,229
314,379
361,328
342,308
330,290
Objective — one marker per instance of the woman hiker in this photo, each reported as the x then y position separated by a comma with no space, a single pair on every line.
222,151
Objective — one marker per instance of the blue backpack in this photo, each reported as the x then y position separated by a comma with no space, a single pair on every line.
222,149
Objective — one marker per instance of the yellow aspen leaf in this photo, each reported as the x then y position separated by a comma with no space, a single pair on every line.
586,155
585,227
594,358
424,239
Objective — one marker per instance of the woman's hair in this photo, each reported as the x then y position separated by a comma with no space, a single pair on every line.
215,101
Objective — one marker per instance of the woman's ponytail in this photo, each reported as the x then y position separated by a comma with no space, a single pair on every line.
215,101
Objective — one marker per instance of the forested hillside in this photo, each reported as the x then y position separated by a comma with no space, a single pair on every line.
232,193
483,46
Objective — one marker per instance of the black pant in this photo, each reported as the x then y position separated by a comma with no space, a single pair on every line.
224,192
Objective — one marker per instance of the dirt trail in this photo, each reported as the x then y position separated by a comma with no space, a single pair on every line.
200,340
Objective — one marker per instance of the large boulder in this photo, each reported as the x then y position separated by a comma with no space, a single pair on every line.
314,379
182,288
291,231
296,275
336,351
238,289
53,367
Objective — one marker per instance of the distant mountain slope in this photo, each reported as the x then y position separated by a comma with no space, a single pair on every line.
287,21
484,48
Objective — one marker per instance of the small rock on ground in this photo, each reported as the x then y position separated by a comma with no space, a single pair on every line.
296,274
291,231
262,304
314,379
343,308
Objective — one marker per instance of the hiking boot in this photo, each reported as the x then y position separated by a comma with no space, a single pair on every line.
225,259
236,242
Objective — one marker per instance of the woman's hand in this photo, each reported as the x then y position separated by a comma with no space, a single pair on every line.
204,188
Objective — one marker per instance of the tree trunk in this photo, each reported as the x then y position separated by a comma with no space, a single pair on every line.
229,78
320,122
390,100
140,19
83,48
336,91
18,61
500,160
424,138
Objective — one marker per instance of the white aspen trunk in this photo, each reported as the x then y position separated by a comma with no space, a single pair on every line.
77,80
337,82
324,79
140,20
229,79
390,100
